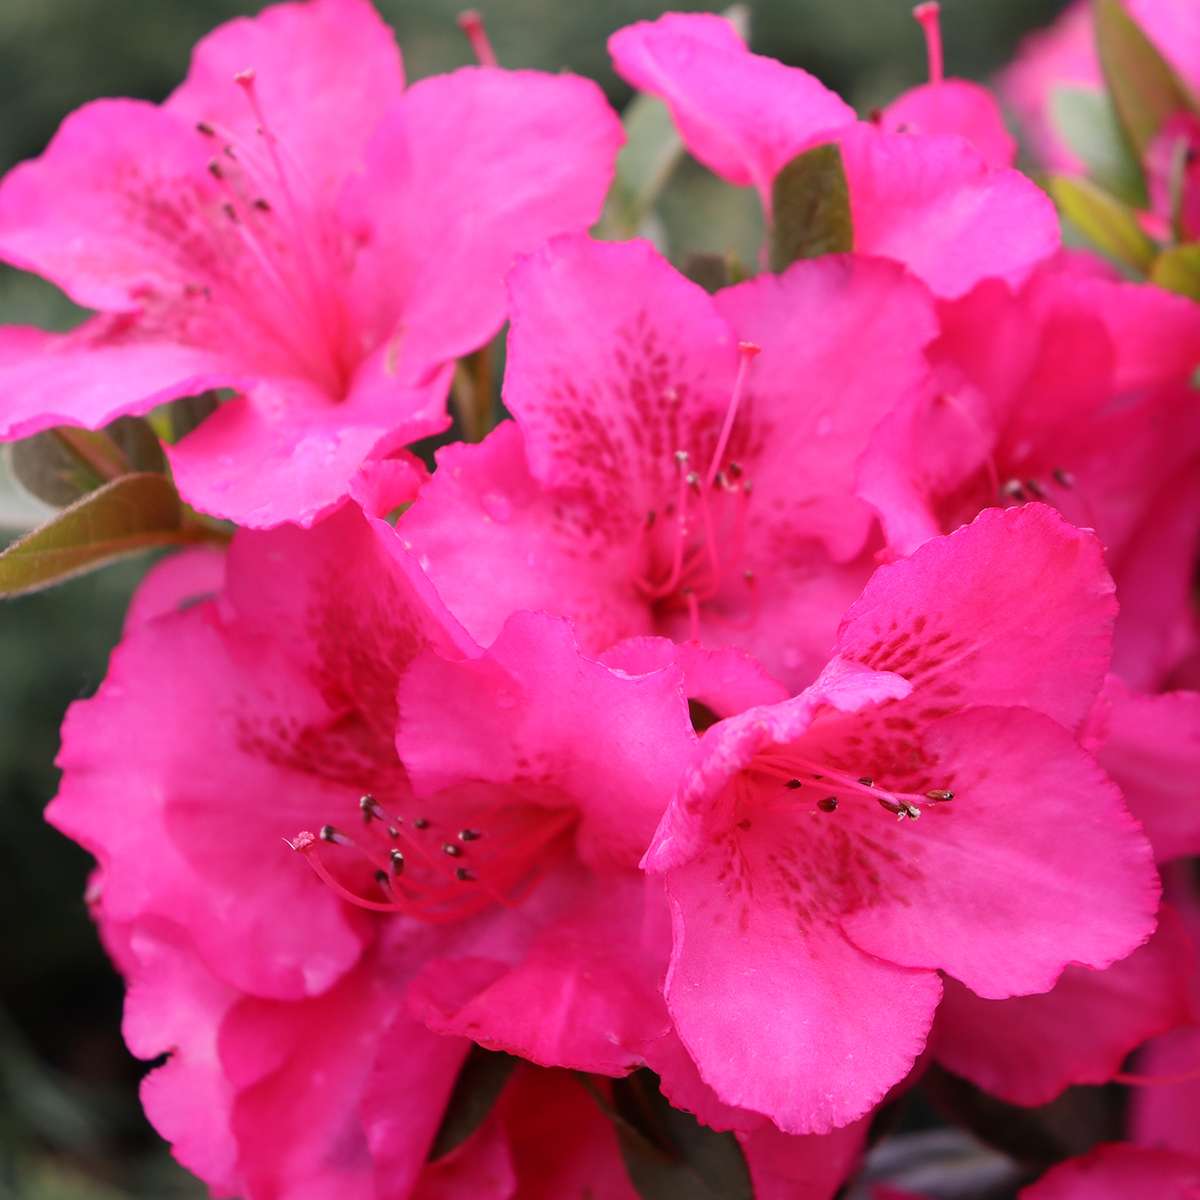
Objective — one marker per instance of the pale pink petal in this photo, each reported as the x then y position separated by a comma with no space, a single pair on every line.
1120,1172
324,74
814,399
955,106
975,616
305,450
934,204
532,156
1029,1049
742,115
987,888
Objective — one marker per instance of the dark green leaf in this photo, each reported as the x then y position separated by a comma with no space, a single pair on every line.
46,467
1103,220
810,203
1088,123
135,512
178,418
476,1090
1178,270
139,443
1144,88
710,271
668,1153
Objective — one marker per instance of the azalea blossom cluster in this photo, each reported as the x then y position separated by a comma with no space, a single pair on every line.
790,699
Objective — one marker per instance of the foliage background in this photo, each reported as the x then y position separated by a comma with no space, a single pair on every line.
70,1126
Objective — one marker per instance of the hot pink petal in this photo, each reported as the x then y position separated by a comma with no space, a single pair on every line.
552,728
305,450
934,204
1028,1049
1150,745
813,400
988,890
802,1168
177,582
540,148
742,115
483,515
978,613
299,54
954,106
1118,1172
1164,1115
481,1168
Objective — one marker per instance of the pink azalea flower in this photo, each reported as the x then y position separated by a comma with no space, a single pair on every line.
810,925
1119,1172
680,463
1073,390
1064,56
931,201
293,223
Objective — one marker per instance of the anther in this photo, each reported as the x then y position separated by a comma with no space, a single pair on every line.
369,807
204,128
469,835
397,862
451,849
693,480
421,823
942,794
866,781
1063,478
793,784
381,878
735,470
681,457
215,170
828,804
464,875
1035,489
329,834
230,212
229,153
651,517
393,832
261,204
1013,490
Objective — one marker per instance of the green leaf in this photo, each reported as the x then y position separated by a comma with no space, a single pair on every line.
1088,123
135,512
1178,270
476,1090
651,152
1144,88
1107,223
668,1153
176,418
810,203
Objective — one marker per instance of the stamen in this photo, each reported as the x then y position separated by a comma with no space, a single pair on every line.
828,804
1063,478
746,352
205,129
928,16
471,23
1013,490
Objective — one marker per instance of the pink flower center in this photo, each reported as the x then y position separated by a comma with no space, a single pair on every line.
434,869
269,222
689,555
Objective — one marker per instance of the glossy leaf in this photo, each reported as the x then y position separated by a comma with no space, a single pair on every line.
810,205
668,1153
1144,88
1107,223
478,1087
130,514
1088,123
1178,270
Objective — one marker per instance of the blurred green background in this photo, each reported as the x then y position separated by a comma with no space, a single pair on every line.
70,1126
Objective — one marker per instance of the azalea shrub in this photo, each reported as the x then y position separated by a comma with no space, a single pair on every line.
749,749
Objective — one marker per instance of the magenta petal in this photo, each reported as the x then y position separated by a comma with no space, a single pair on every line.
815,398
533,156
954,106
979,613
324,74
305,448
96,373
175,583
742,115
1120,1172
779,1020
802,1168
987,888
935,205
1165,1115
1028,1049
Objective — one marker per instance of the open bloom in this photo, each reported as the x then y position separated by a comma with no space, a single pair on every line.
295,224
812,911
934,200
679,463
